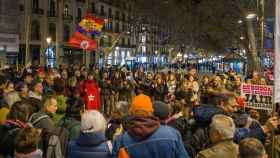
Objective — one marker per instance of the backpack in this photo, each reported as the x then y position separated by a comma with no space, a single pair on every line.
57,140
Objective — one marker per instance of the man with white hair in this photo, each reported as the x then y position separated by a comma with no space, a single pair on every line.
91,141
221,132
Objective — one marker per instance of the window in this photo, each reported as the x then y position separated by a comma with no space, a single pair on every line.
66,33
110,13
123,41
35,27
52,31
79,14
123,27
102,10
117,14
66,10
123,17
21,7
117,27
93,8
35,4
128,41
51,7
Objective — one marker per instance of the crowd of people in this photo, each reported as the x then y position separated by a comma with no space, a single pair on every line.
77,112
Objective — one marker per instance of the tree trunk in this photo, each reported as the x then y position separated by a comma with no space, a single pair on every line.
253,58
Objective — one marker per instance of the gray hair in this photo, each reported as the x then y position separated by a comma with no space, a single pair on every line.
93,121
224,125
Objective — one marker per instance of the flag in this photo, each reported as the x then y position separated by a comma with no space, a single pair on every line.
81,41
277,54
90,23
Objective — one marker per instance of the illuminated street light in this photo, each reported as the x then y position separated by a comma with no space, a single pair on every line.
251,16
49,40
242,38
240,21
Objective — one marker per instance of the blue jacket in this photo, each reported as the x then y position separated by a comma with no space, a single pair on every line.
166,142
89,145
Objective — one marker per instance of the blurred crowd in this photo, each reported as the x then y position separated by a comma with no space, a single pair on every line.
77,112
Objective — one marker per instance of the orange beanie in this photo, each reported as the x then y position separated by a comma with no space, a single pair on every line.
142,103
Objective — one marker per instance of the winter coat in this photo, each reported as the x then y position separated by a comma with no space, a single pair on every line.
223,149
145,138
159,92
89,145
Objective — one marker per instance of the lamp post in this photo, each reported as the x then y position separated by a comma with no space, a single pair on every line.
49,40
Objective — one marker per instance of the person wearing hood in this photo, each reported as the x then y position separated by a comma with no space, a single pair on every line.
146,137
92,141
26,145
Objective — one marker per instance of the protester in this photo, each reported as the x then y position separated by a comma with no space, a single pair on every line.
44,120
145,137
251,148
26,145
16,120
72,119
221,134
92,141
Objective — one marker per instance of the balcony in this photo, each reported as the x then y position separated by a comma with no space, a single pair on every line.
68,17
52,14
38,11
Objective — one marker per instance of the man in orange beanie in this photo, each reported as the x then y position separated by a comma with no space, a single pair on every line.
145,137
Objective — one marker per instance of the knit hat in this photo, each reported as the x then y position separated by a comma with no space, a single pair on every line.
141,103
161,110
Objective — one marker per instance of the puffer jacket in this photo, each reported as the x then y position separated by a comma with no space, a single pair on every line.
89,145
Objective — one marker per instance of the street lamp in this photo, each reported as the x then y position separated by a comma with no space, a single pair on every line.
240,21
242,38
49,40
251,16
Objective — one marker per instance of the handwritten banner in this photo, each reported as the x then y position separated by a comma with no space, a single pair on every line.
258,96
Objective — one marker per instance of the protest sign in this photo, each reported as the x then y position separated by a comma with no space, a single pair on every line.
258,96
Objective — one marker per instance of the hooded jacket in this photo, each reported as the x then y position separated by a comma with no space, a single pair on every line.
89,145
145,137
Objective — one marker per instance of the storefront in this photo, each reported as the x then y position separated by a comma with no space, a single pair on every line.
9,48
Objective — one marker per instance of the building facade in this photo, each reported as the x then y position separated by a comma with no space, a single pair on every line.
9,32
58,19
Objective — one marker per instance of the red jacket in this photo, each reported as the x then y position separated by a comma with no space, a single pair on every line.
91,93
